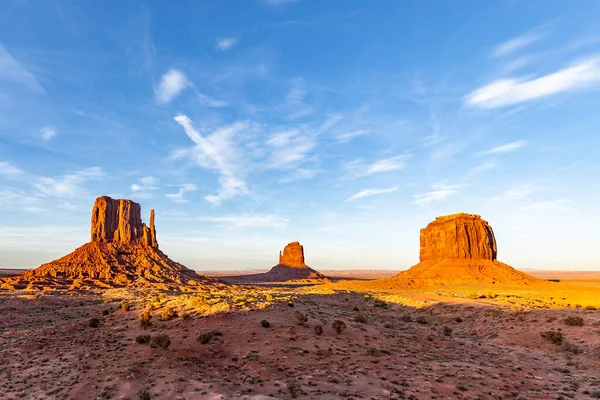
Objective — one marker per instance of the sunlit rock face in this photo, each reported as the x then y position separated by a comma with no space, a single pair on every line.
120,221
460,249
123,251
292,255
458,236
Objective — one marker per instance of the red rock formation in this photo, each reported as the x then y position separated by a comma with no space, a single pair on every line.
457,236
123,251
292,255
460,249
291,268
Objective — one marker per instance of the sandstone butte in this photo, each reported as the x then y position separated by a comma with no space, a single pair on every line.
123,251
460,249
291,268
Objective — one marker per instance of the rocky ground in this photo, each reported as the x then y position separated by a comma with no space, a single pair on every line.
76,345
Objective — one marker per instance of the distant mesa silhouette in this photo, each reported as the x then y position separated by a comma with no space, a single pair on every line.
123,251
460,249
291,268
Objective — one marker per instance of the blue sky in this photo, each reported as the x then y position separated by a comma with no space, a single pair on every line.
344,125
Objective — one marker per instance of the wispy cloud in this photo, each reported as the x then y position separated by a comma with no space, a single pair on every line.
144,188
183,189
546,205
506,92
294,101
347,136
517,193
226,43
278,2
9,170
12,70
267,221
439,193
370,192
289,148
357,169
208,101
505,148
47,133
216,152
69,185
517,43
170,85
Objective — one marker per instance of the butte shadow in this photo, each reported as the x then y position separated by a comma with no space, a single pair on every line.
122,252
291,269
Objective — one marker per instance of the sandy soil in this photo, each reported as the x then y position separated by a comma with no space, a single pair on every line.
409,345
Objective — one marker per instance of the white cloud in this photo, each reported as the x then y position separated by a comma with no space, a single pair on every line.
441,192
69,185
517,43
505,148
547,205
9,170
357,169
299,174
345,137
370,192
289,148
218,153
269,221
47,133
513,91
226,43
517,193
149,181
143,189
12,70
208,101
183,189
171,84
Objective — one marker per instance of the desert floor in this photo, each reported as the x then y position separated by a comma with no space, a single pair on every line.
452,344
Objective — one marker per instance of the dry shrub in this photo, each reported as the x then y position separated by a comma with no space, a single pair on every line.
168,314
301,318
360,318
125,306
206,336
318,329
145,318
142,339
338,326
93,322
553,337
447,331
570,347
574,321
163,341
264,323
294,388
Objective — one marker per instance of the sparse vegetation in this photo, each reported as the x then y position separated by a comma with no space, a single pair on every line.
206,336
360,318
406,318
373,351
301,318
144,394
421,320
574,321
380,303
93,322
125,306
570,347
168,314
553,337
163,341
290,304
294,388
447,331
318,329
338,326
145,318
265,324
142,339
